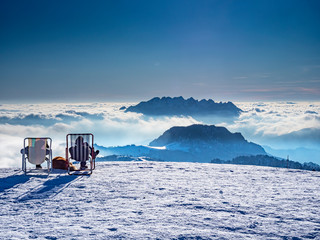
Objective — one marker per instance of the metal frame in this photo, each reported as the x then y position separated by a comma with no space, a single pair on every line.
24,157
92,160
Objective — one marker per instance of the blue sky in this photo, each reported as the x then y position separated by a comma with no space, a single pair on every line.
134,50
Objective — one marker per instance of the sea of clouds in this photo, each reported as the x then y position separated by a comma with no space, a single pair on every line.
281,127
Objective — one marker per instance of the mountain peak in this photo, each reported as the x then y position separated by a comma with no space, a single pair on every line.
197,132
180,106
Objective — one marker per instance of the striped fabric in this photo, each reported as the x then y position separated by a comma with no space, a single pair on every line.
80,149
37,150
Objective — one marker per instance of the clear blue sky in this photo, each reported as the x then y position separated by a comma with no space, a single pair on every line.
251,50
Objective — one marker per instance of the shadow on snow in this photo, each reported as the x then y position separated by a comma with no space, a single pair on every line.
49,188
46,189
13,180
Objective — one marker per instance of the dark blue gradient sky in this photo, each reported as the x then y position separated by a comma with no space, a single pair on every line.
119,50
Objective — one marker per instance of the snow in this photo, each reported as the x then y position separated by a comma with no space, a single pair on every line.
158,148
149,200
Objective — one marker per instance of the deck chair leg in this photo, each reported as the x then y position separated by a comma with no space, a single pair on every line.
23,164
48,165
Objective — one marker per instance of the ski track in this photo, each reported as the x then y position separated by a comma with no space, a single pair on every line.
161,200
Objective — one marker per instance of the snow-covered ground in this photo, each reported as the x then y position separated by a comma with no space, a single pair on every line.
150,200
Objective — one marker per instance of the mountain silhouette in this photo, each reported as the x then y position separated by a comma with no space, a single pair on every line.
180,106
195,143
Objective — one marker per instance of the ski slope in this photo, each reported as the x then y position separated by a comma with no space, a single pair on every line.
161,200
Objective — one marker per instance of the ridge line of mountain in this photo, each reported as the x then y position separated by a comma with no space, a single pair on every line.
180,106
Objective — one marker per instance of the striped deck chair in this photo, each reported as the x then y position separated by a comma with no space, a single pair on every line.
35,152
80,152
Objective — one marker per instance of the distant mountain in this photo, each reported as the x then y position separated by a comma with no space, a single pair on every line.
180,106
257,160
205,141
197,132
305,134
195,143
309,136
265,160
296,154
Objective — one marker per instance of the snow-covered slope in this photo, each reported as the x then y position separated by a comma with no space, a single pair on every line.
149,200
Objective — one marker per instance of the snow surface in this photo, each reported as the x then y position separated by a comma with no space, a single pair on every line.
149,200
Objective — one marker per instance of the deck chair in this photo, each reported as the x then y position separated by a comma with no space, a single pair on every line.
35,152
80,152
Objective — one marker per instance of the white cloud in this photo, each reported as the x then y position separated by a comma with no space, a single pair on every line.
10,150
116,127
277,119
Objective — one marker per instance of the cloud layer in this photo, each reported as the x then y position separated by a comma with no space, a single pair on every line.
278,125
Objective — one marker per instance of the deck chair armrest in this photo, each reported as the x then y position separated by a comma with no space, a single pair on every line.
24,151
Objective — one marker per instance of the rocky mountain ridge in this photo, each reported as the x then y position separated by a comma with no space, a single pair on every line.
180,106
195,143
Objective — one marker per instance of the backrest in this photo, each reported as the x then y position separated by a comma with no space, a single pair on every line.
37,150
80,146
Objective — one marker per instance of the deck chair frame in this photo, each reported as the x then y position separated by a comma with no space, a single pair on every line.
91,160
26,157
